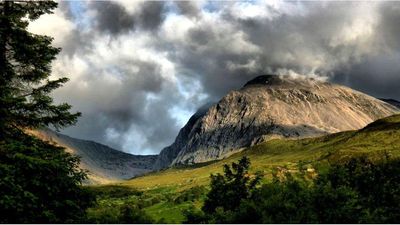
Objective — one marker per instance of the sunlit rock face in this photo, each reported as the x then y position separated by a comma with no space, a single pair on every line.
270,107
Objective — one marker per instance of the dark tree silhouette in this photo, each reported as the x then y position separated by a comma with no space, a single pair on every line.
39,182
228,190
25,64
355,191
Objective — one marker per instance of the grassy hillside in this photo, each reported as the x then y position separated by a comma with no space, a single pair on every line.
382,135
160,190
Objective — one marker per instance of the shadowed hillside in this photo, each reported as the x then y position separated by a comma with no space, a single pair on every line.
104,164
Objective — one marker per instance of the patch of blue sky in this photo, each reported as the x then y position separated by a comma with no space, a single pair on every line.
217,5
212,6
79,14
171,8
188,87
181,115
192,91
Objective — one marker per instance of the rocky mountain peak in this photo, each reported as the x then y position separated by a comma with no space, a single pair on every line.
284,81
268,107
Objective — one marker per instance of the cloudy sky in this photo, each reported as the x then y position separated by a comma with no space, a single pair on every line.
138,70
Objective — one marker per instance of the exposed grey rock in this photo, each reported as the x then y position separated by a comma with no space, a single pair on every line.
169,153
271,107
103,163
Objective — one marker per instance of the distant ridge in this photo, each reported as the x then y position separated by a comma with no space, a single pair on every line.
104,164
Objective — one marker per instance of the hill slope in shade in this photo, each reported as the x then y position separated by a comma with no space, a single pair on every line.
373,140
104,164
270,107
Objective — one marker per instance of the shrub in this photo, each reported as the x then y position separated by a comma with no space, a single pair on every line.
192,194
228,190
356,191
126,213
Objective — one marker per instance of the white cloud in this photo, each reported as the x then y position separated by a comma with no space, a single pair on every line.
137,84
53,25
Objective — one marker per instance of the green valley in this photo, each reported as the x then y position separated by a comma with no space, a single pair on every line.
165,195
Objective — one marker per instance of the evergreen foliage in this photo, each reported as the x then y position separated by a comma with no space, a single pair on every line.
39,182
25,67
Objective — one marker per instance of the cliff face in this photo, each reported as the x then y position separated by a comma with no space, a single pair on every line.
271,107
104,164
169,153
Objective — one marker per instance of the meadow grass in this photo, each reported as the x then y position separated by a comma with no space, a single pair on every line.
382,136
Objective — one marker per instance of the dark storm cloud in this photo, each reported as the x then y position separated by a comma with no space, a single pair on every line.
65,8
188,8
321,40
77,43
389,29
379,76
379,73
124,107
137,69
130,113
152,14
112,17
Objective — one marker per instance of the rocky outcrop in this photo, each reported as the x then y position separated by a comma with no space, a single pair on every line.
168,154
103,164
271,107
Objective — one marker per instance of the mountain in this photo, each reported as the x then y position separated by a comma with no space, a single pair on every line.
392,102
270,107
187,185
169,153
374,140
104,164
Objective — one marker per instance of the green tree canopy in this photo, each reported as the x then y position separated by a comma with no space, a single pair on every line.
228,190
355,191
25,64
39,182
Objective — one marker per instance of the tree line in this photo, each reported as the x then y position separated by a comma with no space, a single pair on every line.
356,191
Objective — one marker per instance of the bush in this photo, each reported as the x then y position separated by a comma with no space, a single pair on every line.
228,190
226,194
357,191
132,214
126,213
194,193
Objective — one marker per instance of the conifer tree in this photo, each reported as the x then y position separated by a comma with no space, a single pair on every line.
39,182
25,64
